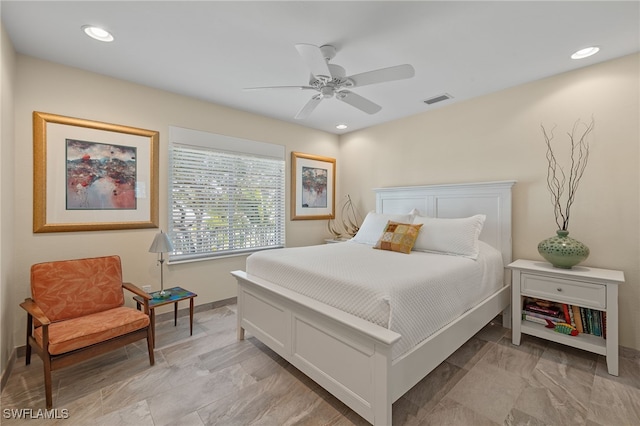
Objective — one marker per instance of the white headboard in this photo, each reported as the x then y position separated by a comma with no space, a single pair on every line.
492,199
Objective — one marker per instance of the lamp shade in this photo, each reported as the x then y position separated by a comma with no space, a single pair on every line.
161,244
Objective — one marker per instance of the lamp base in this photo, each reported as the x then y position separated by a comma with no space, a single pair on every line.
163,294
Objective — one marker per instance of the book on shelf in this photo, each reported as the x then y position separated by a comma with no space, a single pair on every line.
540,316
573,321
597,321
592,321
537,320
565,311
592,327
577,318
586,320
552,310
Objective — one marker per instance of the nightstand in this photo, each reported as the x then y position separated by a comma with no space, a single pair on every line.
335,240
591,288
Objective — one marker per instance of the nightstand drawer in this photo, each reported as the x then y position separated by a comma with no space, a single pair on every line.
563,290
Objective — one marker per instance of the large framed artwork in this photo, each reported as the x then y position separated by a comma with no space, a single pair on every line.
90,175
313,186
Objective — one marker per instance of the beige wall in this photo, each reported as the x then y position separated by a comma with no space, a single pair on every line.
52,88
8,309
498,137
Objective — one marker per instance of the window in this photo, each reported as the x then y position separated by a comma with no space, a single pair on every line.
226,195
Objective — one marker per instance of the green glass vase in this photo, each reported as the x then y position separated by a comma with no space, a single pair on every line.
562,251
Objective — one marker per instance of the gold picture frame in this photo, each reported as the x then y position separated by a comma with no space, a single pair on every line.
93,176
313,187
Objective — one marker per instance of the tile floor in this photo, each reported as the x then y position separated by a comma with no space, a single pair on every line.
210,378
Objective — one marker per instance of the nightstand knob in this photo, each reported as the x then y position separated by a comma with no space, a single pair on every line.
559,289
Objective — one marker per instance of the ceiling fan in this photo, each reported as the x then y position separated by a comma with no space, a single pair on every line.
330,80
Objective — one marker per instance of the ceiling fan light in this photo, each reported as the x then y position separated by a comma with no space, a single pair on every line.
586,52
327,92
97,33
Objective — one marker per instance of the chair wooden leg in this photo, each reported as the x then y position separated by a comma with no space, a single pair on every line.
150,345
47,380
27,356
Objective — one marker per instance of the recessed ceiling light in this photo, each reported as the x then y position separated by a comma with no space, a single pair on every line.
341,126
97,33
586,52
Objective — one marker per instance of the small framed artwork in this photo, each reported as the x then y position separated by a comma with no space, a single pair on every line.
313,187
91,176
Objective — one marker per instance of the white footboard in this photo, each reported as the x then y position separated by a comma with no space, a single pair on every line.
348,356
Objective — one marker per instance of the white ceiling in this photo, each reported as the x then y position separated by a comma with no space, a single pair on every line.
212,50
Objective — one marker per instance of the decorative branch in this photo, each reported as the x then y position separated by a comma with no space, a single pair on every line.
556,177
333,230
348,225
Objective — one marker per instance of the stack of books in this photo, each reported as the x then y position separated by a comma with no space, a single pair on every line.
585,320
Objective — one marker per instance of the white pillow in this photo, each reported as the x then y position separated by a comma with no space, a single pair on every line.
457,237
374,224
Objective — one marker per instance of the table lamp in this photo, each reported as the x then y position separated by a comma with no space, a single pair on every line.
161,244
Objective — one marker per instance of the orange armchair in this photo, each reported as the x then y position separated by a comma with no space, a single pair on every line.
76,311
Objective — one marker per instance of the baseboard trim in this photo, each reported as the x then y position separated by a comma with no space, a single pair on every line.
184,312
7,371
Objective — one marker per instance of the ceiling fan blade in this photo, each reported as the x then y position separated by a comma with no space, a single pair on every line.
313,57
399,72
280,87
308,107
358,101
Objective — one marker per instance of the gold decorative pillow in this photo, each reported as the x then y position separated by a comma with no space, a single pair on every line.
398,237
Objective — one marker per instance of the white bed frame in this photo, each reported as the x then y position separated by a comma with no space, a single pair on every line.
351,357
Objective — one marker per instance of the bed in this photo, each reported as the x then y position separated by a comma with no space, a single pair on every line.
365,363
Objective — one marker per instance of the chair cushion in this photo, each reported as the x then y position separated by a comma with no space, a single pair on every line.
74,288
76,333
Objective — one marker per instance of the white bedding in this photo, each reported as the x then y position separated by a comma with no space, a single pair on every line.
414,295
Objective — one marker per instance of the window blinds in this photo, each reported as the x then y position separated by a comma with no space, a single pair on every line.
224,203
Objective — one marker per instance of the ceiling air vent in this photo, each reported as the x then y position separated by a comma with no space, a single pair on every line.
438,98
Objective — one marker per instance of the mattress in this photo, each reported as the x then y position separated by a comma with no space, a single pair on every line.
412,294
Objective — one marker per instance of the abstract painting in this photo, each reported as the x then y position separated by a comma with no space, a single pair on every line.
93,176
312,187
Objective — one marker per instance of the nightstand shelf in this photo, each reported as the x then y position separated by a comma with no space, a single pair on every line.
583,341
592,288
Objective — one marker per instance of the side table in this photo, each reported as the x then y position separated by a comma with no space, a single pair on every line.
177,294
335,240
582,286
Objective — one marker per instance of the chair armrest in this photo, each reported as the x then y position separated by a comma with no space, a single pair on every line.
137,290
34,310
141,293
